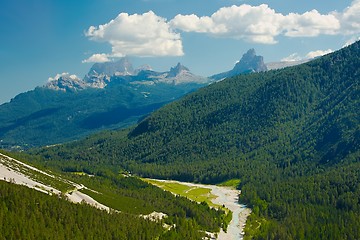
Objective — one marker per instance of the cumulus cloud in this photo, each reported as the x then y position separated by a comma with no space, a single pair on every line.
262,24
150,35
313,54
350,18
310,24
98,57
138,35
193,23
351,41
291,58
318,53
253,23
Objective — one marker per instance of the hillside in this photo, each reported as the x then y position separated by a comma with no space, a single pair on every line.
292,132
143,210
27,214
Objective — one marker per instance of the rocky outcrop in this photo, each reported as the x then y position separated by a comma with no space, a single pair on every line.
249,62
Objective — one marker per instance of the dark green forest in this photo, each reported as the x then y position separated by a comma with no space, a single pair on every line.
28,214
292,136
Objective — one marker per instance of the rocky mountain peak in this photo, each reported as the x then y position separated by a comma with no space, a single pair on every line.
65,82
177,70
250,62
100,73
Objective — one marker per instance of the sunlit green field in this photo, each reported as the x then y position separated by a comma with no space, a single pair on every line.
231,183
198,194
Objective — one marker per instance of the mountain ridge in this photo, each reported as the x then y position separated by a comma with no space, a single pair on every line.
101,74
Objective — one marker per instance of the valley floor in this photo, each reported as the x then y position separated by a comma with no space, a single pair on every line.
229,198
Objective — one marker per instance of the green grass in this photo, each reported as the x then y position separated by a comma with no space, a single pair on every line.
230,183
80,173
198,194
175,188
253,225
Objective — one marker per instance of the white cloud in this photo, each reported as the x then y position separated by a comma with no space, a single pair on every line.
313,54
350,18
98,57
253,23
292,58
63,75
351,41
262,24
318,53
193,23
138,35
150,35
310,24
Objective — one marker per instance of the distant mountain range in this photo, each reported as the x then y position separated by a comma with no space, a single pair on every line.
111,95
101,74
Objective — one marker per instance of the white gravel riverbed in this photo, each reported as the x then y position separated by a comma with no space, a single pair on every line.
229,197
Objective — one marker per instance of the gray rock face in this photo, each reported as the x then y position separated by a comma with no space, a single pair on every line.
122,67
101,74
249,62
66,82
177,70
176,76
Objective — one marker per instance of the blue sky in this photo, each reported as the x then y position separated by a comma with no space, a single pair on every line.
41,38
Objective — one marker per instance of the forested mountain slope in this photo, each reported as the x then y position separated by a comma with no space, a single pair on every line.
28,214
131,208
292,136
69,108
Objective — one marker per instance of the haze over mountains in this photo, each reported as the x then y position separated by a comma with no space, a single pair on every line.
111,95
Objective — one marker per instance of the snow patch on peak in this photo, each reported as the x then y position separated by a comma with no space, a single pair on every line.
64,75
65,81
74,77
